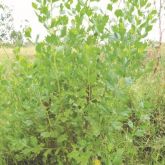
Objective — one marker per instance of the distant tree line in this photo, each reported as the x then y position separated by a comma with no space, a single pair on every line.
8,34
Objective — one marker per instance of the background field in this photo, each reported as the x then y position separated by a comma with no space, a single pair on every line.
7,52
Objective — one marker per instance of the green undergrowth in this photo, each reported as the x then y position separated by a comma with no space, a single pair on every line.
39,126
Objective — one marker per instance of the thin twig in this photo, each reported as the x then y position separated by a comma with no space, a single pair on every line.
5,52
160,37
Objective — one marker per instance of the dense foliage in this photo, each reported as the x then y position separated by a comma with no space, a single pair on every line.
81,101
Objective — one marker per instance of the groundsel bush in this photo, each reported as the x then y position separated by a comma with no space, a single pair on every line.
73,103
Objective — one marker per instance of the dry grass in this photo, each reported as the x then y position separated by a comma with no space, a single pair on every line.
6,52
163,49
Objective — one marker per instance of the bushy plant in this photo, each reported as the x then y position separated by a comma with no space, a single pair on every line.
73,103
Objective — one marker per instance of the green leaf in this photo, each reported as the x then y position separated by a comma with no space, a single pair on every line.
109,7
130,123
143,2
114,1
139,133
28,32
34,5
44,10
74,154
118,157
154,12
119,13
47,153
64,20
149,28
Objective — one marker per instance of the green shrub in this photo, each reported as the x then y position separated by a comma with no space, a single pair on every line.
74,104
